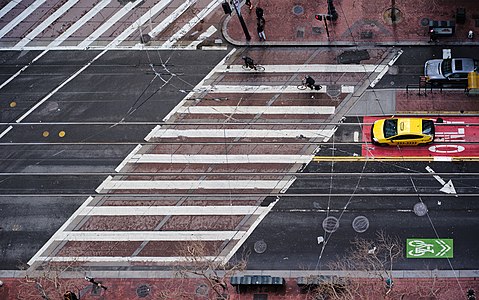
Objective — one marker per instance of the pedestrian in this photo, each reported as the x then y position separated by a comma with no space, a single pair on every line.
259,12
261,22
248,2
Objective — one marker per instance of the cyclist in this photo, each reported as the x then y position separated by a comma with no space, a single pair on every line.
309,81
249,62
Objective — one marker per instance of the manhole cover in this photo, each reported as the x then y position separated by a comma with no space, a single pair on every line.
330,224
392,16
420,209
333,90
298,10
260,247
143,290
424,22
360,224
202,290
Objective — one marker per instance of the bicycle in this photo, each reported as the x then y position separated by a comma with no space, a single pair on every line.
255,67
303,86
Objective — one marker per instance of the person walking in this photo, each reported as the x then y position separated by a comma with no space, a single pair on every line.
260,28
248,2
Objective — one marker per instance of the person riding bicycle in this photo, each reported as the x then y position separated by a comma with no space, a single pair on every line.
249,62
309,82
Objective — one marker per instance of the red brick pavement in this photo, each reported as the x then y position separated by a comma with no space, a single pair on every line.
293,22
436,102
180,288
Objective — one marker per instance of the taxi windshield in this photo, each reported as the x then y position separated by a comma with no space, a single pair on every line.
390,127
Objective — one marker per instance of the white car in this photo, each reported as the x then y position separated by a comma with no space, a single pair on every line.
455,69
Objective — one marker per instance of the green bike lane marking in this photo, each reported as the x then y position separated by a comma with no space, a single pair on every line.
429,248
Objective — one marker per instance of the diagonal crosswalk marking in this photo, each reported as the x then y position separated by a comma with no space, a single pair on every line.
10,5
171,210
171,17
313,68
240,133
251,89
219,159
29,10
267,110
131,236
212,29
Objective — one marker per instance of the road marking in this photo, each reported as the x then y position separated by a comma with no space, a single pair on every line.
128,158
314,68
28,10
47,22
110,22
448,187
429,248
133,236
212,29
386,68
171,17
253,89
192,23
127,258
173,210
191,184
8,7
219,159
241,133
265,110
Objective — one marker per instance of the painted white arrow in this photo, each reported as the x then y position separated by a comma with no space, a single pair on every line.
445,248
448,187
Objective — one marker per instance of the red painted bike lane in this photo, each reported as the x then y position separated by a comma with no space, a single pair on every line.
453,139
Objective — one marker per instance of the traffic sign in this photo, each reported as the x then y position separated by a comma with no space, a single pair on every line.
429,248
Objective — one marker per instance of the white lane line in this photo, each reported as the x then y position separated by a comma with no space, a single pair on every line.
219,159
138,23
245,234
78,24
251,89
242,133
192,23
173,16
6,131
193,184
386,68
127,258
314,68
58,233
102,185
128,158
8,7
265,110
47,22
133,236
31,8
173,210
212,29
59,87
110,22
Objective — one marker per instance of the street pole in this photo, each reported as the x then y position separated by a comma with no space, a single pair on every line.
243,24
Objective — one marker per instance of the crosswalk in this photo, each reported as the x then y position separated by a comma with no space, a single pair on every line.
105,24
204,177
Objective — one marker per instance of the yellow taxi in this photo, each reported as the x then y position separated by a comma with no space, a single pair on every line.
402,131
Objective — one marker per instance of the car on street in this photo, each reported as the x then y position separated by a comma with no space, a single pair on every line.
455,69
402,131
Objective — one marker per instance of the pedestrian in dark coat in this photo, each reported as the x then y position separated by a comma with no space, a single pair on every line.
261,23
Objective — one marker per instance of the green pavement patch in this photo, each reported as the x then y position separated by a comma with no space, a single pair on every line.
429,248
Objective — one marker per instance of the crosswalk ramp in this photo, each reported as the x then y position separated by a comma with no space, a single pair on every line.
204,177
106,24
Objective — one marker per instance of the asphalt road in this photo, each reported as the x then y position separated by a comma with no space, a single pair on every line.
120,85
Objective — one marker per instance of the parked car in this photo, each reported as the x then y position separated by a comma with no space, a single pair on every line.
402,131
455,69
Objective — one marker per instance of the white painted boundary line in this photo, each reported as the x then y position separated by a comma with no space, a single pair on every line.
31,8
120,259
252,89
386,68
110,22
241,133
173,16
128,158
138,23
219,159
212,29
192,184
102,185
172,210
36,31
136,236
266,110
192,23
314,68
244,235
9,7
59,232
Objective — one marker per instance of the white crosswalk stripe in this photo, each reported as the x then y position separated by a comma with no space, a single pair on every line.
30,9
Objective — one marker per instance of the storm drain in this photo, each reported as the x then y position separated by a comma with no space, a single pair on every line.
260,247
143,290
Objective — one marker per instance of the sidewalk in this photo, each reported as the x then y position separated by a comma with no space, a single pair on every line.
360,22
